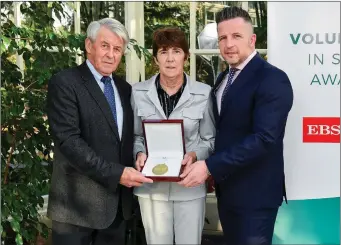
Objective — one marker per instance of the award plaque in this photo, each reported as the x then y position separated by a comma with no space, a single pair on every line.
164,141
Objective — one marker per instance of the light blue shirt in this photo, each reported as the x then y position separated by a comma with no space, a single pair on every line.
119,109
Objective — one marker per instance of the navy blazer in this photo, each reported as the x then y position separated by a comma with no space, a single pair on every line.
247,164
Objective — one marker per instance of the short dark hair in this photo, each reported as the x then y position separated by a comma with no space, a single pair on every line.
168,37
233,12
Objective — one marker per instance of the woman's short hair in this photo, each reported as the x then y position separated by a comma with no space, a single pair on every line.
113,25
170,37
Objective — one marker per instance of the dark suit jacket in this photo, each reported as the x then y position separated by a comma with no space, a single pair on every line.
247,164
89,156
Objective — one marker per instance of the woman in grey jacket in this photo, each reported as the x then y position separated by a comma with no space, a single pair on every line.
168,209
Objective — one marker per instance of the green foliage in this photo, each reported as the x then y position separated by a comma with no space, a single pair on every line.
26,149
164,14
261,29
93,10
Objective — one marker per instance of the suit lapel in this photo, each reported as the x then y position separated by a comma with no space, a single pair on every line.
242,79
125,102
214,94
97,94
219,81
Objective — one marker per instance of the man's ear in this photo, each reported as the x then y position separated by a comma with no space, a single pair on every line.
88,45
253,39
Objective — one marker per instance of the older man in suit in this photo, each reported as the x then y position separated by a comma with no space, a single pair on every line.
252,101
91,121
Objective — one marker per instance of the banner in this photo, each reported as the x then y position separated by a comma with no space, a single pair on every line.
304,41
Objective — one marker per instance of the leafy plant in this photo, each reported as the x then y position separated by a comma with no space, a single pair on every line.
27,148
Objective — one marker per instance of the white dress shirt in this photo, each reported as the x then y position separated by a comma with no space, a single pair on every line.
222,85
119,109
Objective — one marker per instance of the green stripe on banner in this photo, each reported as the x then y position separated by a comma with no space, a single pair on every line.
315,221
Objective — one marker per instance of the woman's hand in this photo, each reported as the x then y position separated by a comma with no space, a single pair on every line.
140,160
189,158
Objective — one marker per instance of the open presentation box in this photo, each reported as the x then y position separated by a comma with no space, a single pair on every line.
165,146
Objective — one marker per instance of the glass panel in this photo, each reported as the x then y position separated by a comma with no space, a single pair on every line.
164,14
7,15
259,16
92,10
63,17
208,68
206,27
7,12
47,14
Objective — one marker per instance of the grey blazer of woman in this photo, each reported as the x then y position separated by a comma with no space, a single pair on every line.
195,108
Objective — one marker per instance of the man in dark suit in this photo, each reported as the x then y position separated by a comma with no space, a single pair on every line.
252,101
91,121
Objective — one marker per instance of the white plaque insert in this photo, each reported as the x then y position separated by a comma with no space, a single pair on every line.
164,143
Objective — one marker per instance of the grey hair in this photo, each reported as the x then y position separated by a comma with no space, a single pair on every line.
113,25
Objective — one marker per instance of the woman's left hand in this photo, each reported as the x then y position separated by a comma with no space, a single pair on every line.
189,158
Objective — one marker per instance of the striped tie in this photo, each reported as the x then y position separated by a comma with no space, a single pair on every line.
232,71
110,95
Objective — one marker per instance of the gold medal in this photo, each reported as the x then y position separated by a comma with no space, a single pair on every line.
160,169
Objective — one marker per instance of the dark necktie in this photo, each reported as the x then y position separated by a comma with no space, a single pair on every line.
231,74
110,95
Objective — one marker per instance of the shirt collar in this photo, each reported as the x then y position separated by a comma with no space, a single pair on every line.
96,74
246,61
159,87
